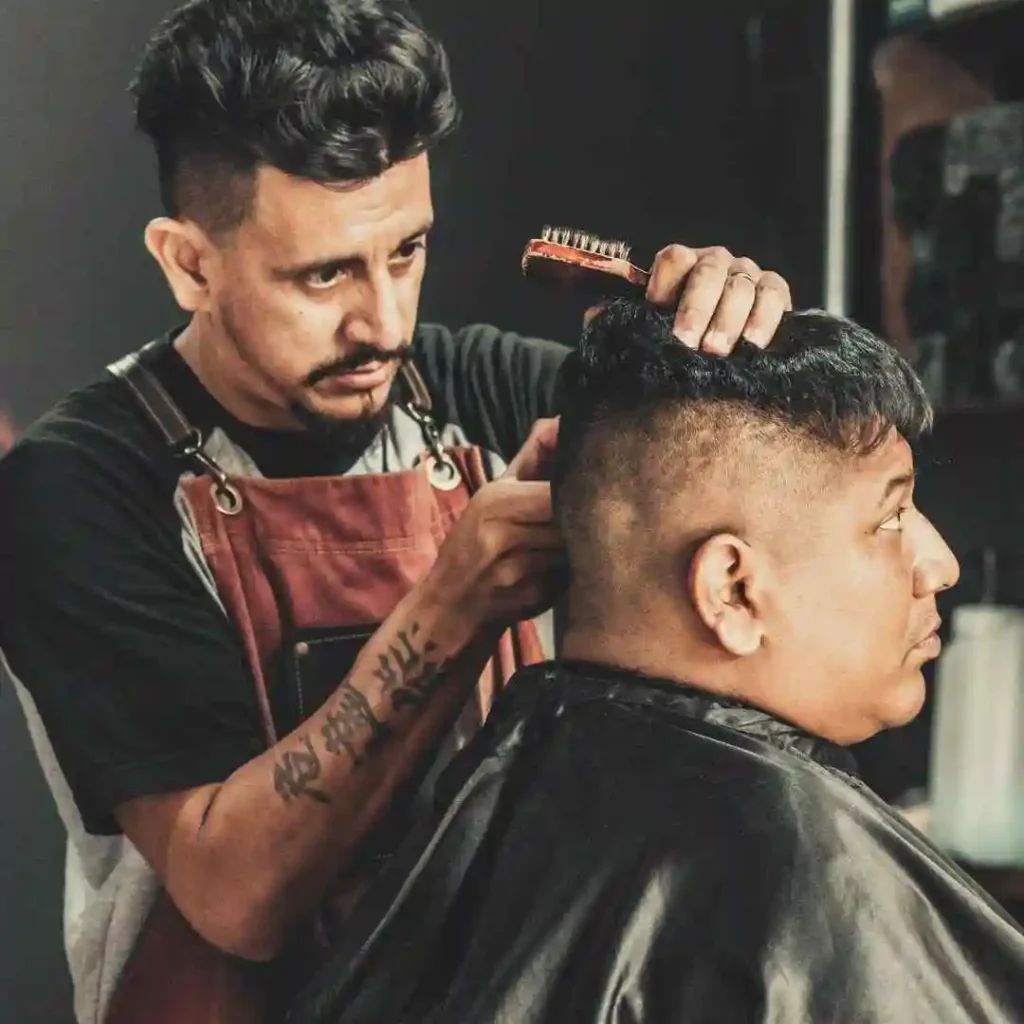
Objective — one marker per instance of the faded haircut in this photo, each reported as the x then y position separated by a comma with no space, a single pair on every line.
643,414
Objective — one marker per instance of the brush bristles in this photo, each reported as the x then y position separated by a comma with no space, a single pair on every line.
586,242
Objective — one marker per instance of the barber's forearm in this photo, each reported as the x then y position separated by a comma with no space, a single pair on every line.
268,842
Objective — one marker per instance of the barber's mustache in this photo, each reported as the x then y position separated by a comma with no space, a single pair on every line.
360,356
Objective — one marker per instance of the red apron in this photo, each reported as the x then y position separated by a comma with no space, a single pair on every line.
306,569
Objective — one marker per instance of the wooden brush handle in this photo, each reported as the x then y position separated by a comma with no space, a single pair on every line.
579,268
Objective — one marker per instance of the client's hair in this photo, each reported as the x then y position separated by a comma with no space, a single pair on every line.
643,414
329,90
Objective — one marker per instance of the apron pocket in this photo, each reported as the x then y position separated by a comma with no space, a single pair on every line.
314,662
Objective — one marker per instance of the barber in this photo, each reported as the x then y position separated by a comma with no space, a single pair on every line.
269,569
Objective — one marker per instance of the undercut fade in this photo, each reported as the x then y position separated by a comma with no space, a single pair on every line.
822,376
643,414
335,91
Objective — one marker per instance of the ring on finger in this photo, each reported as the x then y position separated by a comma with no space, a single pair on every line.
742,274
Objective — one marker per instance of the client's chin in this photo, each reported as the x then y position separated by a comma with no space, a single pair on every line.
904,700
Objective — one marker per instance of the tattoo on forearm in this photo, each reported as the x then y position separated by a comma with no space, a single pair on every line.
352,726
409,674
296,772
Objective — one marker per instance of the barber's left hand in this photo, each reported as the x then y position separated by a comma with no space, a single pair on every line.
718,298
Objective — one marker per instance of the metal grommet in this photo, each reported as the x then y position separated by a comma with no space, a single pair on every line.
226,497
442,472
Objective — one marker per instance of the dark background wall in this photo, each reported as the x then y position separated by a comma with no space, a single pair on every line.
654,121
75,288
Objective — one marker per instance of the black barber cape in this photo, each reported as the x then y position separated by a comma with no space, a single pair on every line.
617,850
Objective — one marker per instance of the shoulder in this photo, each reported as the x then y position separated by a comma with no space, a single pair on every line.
134,672
98,429
493,384
474,338
484,349
83,473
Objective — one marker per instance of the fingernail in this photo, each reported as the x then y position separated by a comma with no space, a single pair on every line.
756,337
716,342
689,338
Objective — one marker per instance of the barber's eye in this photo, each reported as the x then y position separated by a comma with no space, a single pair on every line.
324,277
895,521
408,250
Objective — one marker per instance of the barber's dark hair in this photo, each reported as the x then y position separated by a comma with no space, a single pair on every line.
822,377
329,90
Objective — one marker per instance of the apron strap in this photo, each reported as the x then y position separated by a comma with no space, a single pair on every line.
153,397
179,434
418,395
182,438
419,406
187,442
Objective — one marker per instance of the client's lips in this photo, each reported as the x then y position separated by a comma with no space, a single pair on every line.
929,642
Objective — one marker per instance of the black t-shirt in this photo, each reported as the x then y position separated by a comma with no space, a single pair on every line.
140,681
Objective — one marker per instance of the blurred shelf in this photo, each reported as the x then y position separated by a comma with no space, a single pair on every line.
986,39
941,15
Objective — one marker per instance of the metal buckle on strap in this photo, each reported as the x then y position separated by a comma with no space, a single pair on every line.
442,470
182,438
226,496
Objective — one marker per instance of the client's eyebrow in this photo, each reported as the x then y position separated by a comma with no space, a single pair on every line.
894,484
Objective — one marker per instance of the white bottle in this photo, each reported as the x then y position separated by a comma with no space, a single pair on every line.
977,760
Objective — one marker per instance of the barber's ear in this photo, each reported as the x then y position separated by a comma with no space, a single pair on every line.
724,582
183,251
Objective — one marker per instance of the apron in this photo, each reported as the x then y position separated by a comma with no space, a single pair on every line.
306,570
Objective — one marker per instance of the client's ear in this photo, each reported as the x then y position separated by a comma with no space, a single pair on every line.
724,583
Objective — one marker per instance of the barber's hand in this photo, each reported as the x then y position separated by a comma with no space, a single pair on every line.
499,563
718,298
534,459
495,567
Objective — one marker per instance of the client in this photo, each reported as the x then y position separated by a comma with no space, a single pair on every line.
664,825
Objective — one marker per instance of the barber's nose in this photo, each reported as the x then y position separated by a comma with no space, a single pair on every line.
936,567
378,320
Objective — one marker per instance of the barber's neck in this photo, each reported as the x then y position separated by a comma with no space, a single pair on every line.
232,382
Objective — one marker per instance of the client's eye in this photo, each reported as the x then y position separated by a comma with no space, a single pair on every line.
895,521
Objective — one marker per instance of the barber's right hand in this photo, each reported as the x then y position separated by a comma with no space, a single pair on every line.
497,565
534,459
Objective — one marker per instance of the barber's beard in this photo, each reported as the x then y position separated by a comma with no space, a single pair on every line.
355,435
352,434
347,434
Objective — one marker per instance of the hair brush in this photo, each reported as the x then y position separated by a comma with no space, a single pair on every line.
584,263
